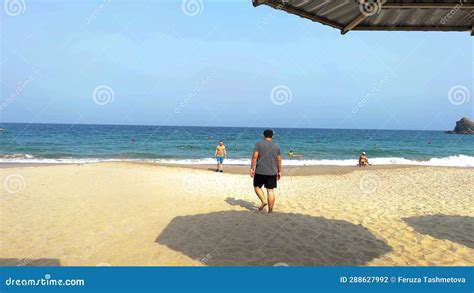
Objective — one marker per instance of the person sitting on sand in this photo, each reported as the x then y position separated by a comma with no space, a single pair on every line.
363,160
220,154
266,169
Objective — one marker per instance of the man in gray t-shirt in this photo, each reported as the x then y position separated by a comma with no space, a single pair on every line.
266,169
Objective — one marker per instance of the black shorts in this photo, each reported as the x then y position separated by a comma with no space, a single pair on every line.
270,181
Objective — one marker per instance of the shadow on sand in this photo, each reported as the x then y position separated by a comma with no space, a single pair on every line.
28,262
459,229
241,203
240,238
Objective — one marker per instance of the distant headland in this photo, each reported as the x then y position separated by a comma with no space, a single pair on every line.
463,126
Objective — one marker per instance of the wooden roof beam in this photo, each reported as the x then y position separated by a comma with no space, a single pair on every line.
414,28
428,5
301,13
353,23
359,19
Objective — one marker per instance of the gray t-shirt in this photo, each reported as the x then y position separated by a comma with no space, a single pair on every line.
267,157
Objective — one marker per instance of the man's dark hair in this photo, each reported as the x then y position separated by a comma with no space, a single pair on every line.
268,133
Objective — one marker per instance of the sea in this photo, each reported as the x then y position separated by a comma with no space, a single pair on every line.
80,143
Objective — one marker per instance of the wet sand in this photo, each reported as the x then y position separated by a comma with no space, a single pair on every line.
294,170
241,169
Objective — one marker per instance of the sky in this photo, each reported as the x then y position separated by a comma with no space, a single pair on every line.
223,63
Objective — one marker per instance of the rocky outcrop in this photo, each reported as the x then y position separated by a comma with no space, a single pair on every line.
463,126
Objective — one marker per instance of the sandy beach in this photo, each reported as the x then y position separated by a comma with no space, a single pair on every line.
142,215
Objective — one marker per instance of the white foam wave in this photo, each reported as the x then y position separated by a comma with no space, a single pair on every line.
53,161
451,161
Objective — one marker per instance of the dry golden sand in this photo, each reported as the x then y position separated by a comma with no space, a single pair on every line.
137,214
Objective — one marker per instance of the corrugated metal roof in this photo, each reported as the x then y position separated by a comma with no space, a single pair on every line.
347,15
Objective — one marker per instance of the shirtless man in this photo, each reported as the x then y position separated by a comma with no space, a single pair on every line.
220,154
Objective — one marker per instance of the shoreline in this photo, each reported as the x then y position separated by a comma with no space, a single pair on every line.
240,169
456,161
291,170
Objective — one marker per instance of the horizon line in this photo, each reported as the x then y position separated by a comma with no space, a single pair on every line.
223,126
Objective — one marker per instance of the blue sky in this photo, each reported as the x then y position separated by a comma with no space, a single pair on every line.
160,66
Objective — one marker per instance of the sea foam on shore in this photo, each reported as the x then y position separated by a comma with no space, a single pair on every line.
451,161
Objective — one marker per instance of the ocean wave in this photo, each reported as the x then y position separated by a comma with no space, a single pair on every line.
16,156
451,161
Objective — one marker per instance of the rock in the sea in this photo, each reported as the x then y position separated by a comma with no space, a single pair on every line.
463,126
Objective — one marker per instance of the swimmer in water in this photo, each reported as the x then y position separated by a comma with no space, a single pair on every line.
293,154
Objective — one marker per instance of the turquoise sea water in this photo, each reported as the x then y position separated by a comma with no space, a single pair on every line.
62,143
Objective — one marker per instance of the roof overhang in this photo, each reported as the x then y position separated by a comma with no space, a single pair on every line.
386,15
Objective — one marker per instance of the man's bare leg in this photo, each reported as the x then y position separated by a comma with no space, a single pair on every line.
261,196
271,200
